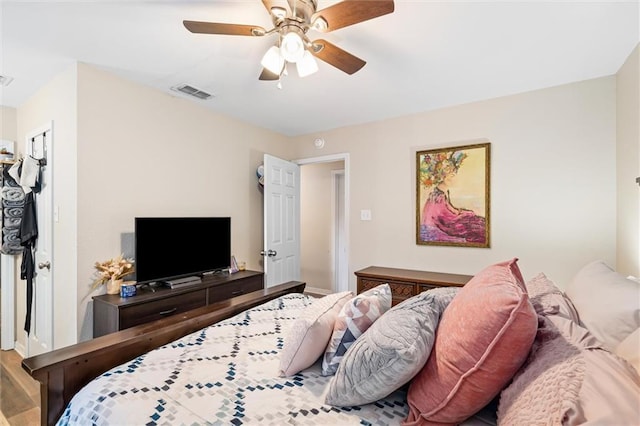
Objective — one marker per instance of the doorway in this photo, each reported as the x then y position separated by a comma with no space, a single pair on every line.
38,148
324,206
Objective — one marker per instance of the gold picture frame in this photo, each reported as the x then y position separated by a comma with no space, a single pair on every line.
452,196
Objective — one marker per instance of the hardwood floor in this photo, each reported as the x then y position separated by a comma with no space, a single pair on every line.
19,393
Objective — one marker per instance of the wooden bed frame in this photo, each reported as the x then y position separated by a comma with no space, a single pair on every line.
63,372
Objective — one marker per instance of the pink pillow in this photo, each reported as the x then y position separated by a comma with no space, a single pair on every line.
483,338
570,379
548,299
310,333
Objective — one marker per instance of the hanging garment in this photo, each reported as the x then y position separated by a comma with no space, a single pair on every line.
29,174
11,207
25,173
20,212
28,237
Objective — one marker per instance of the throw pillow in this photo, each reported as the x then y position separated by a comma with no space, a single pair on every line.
484,336
607,302
547,298
310,333
570,379
391,351
355,317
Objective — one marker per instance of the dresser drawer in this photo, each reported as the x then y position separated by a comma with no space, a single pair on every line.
425,287
157,309
226,291
399,290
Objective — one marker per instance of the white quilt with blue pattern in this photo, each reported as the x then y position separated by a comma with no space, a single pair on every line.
225,374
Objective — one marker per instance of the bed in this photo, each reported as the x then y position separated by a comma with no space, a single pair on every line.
226,364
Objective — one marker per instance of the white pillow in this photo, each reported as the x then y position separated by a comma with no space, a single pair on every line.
310,333
607,302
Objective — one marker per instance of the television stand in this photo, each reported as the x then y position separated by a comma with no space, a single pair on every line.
113,313
180,282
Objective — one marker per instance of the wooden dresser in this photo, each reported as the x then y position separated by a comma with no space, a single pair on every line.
405,283
113,313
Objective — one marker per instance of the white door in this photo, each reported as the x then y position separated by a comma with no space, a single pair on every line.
281,221
39,146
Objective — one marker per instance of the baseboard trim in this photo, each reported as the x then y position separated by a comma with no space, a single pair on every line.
21,349
316,290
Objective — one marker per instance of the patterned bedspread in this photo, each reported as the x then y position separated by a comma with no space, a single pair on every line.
225,374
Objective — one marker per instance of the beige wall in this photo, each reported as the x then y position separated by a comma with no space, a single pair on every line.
628,164
142,152
316,263
552,180
8,123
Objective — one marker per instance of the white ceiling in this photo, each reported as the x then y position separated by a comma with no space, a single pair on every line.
425,55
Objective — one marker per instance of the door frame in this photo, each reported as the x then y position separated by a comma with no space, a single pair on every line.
344,157
339,275
8,279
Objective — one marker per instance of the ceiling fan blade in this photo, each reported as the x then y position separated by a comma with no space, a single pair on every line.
267,75
333,55
349,12
225,29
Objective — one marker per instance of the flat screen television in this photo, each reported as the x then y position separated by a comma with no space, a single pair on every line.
174,247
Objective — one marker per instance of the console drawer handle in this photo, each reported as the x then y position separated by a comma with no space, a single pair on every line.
237,292
168,312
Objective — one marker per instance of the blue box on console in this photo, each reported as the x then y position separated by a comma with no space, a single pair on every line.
128,290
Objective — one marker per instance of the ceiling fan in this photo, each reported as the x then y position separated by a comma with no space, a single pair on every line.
292,19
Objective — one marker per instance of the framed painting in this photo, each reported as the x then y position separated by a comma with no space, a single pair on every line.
452,196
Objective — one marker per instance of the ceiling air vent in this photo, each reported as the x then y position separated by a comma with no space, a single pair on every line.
192,91
5,80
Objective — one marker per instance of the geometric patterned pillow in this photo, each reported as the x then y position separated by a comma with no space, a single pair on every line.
355,317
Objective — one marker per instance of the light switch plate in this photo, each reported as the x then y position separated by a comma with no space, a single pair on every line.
365,214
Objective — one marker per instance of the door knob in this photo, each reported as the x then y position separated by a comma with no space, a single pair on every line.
268,253
43,265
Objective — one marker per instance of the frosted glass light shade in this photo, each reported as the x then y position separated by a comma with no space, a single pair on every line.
273,60
307,65
292,47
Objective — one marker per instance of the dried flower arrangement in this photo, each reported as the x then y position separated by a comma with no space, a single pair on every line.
111,270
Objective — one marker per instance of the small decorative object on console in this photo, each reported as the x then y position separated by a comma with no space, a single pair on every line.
128,289
234,266
110,272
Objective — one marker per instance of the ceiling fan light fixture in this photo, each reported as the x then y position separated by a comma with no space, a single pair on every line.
273,60
292,47
307,65
279,12
320,24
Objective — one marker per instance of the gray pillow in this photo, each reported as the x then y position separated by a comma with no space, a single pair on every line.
391,351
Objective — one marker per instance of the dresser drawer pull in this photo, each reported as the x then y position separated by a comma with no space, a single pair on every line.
168,312
237,292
